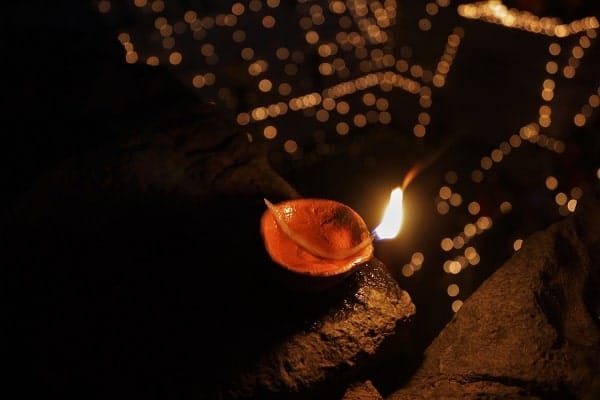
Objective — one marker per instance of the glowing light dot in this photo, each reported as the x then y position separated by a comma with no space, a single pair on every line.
571,205
486,162
456,305
153,61
243,118
576,192
474,208
238,9
458,242
551,183
442,207
342,107
446,244
369,99
515,141
254,69
554,49
419,130
584,42
569,72
416,71
131,57
322,115
402,66
470,253
385,117
284,89
424,24
337,7
547,94
265,85
417,258
470,230
484,223
259,113
424,118
548,84
497,155
560,198
445,192
505,148
328,103
454,267
359,120
545,121
452,290
157,6
255,5
505,207
517,244
431,8
407,270
382,104
551,67
270,132
282,53
455,199
311,37
290,146
342,128
190,16
439,80
579,120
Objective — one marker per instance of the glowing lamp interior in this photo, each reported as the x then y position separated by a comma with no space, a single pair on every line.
392,218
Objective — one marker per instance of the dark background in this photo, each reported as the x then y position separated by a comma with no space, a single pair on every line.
67,89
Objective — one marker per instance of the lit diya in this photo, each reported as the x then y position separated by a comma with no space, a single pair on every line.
324,240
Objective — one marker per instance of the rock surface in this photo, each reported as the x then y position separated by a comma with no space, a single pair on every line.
531,330
367,308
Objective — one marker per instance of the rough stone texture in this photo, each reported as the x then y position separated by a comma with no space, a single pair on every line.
362,391
531,330
367,310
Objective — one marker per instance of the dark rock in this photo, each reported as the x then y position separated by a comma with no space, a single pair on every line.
531,329
365,311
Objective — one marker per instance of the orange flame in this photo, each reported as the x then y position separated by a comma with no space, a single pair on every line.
392,217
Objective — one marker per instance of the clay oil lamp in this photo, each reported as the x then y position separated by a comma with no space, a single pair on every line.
318,242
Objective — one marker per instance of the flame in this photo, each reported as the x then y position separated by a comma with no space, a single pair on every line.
392,217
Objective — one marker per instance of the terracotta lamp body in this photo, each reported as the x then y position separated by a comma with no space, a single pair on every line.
317,242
